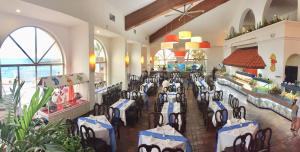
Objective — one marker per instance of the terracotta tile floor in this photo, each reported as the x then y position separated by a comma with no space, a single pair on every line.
203,140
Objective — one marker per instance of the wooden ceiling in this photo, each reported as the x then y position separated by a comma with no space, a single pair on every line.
160,7
151,11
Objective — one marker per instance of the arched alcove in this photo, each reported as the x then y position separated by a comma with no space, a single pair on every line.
292,68
281,8
247,22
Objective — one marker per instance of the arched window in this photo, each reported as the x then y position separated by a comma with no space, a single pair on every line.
189,56
100,72
163,57
28,54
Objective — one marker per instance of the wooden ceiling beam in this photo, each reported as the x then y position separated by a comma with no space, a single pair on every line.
151,11
205,5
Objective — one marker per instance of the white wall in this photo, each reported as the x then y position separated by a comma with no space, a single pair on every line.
215,56
134,50
95,12
117,63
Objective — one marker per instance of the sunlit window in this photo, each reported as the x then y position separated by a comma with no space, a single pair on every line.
100,72
28,54
163,57
189,56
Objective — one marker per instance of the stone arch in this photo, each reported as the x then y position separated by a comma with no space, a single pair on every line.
282,8
247,21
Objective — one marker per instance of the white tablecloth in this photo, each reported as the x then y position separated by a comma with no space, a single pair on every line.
98,95
171,96
167,110
123,108
230,132
215,107
100,131
163,137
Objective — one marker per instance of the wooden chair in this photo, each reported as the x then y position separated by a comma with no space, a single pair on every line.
174,121
88,139
125,94
72,127
155,119
148,148
115,120
163,97
207,114
230,97
100,110
234,103
262,140
221,117
240,143
172,150
239,112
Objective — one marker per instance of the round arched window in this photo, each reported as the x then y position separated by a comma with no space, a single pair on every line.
27,54
100,72
163,57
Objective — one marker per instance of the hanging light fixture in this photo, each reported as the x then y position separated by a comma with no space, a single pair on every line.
191,45
171,38
166,45
196,39
180,53
204,45
184,35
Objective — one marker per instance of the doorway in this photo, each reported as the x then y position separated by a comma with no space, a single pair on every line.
291,74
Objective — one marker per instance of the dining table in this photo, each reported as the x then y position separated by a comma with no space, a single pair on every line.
164,137
102,128
234,128
168,108
122,105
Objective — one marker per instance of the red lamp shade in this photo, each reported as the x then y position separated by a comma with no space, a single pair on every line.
180,53
204,44
171,39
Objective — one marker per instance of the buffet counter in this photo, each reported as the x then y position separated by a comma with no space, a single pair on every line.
76,109
263,101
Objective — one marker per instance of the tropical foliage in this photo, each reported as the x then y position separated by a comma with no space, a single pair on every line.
21,132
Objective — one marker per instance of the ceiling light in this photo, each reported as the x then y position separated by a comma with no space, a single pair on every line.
98,32
205,45
171,38
18,10
196,39
166,45
184,35
191,45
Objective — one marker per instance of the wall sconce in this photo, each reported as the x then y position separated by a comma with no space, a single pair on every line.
92,61
127,59
142,60
150,59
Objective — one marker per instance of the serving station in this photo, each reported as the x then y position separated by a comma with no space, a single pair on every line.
69,99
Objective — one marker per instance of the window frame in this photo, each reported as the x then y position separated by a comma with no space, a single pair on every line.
102,62
35,62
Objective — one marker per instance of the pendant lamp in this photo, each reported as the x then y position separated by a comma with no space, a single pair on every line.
166,45
204,45
196,39
184,35
171,38
191,45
